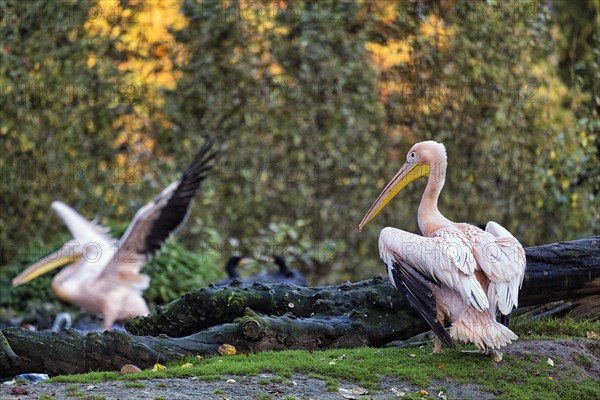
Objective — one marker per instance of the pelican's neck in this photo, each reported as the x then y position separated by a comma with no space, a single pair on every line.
430,218
231,271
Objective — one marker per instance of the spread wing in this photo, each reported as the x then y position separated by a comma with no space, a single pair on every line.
83,231
502,259
160,218
445,259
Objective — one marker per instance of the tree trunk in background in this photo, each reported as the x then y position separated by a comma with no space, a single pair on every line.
264,317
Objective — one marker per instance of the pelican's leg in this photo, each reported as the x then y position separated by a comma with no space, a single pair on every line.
109,317
437,343
437,346
504,319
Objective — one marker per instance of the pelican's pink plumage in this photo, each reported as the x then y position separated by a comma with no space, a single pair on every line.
455,272
104,275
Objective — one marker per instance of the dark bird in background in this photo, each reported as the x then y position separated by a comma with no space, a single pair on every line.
283,274
231,268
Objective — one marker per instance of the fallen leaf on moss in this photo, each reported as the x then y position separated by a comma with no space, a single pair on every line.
187,365
226,350
129,369
550,362
158,367
592,335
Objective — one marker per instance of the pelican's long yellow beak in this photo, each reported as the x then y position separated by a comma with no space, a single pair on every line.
408,173
64,255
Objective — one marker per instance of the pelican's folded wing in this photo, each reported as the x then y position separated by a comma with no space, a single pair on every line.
445,259
502,259
418,291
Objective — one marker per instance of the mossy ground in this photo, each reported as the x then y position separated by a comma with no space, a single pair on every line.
519,375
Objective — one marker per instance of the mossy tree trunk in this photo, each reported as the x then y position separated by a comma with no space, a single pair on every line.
274,317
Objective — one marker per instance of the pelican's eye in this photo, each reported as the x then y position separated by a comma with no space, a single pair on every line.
412,156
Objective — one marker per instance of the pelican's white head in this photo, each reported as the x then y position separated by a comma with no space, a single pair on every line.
430,153
422,159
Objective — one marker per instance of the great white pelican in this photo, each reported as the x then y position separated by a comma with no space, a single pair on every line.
455,272
103,275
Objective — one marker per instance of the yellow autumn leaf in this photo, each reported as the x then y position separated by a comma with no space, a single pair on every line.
226,350
158,367
187,365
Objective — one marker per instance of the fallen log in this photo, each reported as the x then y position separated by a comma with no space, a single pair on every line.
376,303
567,273
53,352
273,317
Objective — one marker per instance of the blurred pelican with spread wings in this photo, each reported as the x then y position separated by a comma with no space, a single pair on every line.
455,272
104,274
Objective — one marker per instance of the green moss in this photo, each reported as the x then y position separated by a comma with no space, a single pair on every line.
582,360
209,378
525,376
262,396
266,381
73,391
553,327
511,378
134,385
219,391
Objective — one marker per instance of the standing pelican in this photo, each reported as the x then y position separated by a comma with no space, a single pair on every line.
104,274
456,272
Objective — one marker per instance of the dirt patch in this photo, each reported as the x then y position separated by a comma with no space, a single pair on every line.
582,356
238,387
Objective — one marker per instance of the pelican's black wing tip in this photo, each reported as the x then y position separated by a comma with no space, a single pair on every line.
418,291
177,206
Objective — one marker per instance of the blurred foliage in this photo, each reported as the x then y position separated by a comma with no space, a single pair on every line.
176,271
315,104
